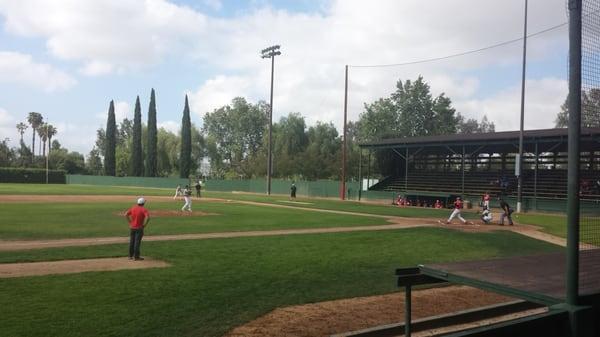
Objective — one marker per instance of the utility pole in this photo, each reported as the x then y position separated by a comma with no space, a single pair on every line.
270,52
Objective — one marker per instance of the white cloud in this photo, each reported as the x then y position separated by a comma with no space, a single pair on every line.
22,69
122,110
7,127
106,36
543,100
218,92
118,36
171,126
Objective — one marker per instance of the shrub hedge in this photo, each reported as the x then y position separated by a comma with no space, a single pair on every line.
31,175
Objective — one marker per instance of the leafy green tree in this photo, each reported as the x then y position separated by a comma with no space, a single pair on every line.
34,119
110,142
62,159
198,149
415,105
233,134
122,160
379,120
151,147
168,147
322,156
445,116
289,142
7,155
93,164
137,163
471,125
185,157
590,107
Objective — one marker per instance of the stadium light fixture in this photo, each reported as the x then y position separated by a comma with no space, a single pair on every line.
270,52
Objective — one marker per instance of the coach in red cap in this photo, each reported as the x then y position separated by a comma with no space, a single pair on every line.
138,218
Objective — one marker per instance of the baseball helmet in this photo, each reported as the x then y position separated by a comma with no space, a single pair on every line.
141,201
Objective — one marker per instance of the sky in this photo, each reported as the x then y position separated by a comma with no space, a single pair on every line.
67,59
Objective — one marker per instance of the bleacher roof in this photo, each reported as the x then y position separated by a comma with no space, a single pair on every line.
498,141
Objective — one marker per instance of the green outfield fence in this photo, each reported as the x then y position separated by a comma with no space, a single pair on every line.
126,181
317,188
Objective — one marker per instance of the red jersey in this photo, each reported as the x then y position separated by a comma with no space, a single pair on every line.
458,204
137,214
486,197
438,204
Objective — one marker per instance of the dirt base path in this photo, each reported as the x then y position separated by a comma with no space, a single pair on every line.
8,270
40,244
333,317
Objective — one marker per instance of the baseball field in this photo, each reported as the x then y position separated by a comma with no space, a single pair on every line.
235,258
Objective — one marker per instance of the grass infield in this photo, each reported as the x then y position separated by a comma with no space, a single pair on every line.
215,285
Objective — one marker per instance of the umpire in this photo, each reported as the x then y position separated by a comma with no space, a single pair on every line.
506,212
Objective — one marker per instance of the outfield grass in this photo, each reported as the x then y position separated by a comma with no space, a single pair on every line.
215,285
78,220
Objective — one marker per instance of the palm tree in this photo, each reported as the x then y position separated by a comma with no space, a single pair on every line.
50,132
43,132
35,119
22,127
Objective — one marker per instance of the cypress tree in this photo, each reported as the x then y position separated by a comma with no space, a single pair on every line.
111,142
151,147
185,158
137,163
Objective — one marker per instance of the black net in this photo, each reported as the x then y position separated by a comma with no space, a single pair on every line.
590,164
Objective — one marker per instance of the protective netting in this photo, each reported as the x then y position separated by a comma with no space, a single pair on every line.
590,167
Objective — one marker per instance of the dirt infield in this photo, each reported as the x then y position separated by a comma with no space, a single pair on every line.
9,270
331,317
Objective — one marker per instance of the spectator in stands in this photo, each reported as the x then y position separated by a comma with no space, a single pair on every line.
438,204
503,182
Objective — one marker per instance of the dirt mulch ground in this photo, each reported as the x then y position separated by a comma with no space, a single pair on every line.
327,318
8,270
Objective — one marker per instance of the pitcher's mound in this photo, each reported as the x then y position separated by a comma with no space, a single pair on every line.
76,266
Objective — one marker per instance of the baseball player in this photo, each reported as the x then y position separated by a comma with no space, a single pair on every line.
178,192
486,200
458,205
486,215
506,212
187,196
138,218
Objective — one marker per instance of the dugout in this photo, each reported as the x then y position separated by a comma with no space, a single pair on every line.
472,164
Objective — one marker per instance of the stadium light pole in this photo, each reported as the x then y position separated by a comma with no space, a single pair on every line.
519,161
270,52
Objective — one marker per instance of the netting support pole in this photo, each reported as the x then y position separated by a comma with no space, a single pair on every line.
520,159
406,171
572,295
535,175
360,180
